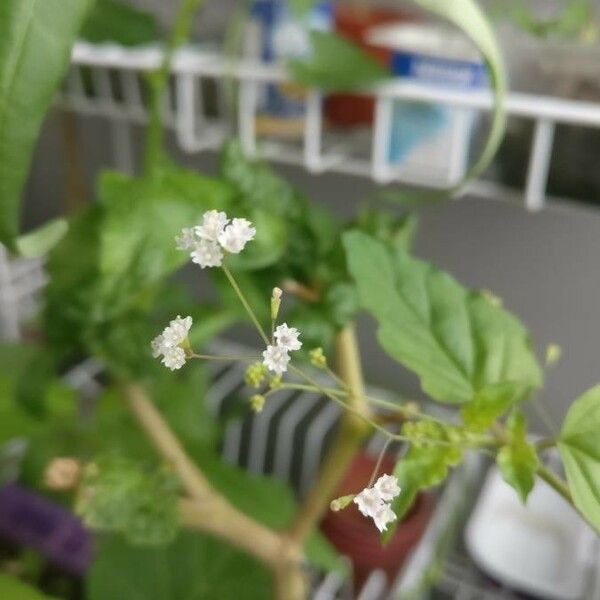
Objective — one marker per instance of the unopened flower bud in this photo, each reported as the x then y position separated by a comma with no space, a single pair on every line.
275,382
275,302
257,403
553,354
317,358
494,300
411,408
341,502
255,375
62,474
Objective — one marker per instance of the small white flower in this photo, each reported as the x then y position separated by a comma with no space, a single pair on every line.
276,359
176,332
213,223
383,517
174,358
369,502
287,337
186,240
387,487
236,235
157,346
207,254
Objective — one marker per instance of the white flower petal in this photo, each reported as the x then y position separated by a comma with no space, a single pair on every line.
236,235
174,358
207,254
287,337
387,486
157,346
369,502
176,332
213,223
276,359
186,240
383,517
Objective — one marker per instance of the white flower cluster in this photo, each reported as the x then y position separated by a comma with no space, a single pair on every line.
277,357
216,234
374,501
168,343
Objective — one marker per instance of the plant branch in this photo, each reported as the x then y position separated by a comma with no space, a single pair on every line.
166,444
354,428
208,511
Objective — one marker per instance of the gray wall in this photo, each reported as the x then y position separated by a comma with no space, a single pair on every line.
544,266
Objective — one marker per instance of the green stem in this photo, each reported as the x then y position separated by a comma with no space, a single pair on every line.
245,304
545,443
555,482
379,461
225,357
332,395
158,83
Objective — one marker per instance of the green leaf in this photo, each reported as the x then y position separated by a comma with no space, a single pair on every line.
35,44
468,16
118,495
201,567
336,64
42,240
142,218
517,460
580,451
456,340
489,404
423,467
13,589
194,567
113,21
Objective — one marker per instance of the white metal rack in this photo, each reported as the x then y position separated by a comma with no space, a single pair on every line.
113,67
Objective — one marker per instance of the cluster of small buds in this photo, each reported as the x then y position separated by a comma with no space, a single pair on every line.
317,358
276,357
208,241
257,402
255,375
170,344
375,501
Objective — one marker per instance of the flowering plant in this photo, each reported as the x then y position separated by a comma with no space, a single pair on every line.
143,465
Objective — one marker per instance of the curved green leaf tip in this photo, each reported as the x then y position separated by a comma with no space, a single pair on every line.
41,240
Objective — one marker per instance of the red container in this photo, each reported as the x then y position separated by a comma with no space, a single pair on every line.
356,536
353,22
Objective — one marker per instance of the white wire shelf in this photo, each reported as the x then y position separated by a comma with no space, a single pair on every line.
113,88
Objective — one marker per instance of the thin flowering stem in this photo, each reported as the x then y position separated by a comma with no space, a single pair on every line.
335,396
337,378
370,399
225,357
245,304
379,461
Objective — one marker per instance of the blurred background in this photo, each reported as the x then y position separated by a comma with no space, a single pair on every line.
527,230
542,263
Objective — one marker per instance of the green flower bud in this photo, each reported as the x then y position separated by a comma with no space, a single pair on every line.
257,403
255,375
317,358
553,354
275,302
341,502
